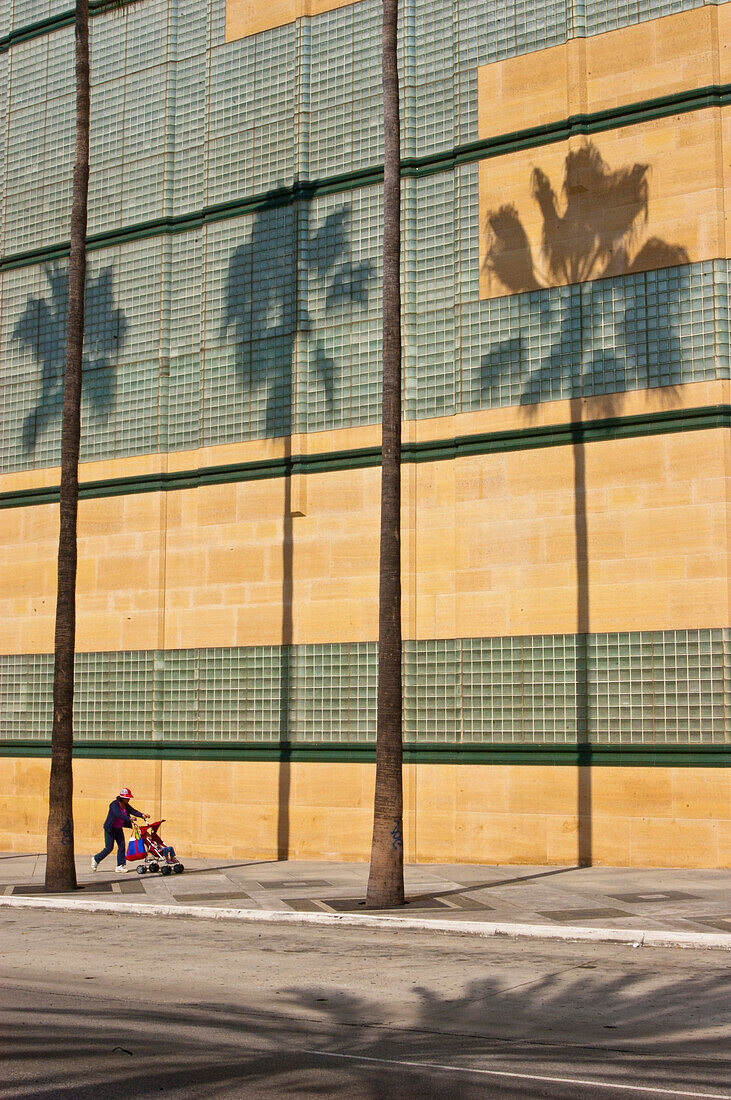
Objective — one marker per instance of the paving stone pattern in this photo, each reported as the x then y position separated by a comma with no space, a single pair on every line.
597,897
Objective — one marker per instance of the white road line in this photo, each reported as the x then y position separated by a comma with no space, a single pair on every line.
522,1076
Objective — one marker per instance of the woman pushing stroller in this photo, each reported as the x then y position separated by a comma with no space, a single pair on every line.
119,817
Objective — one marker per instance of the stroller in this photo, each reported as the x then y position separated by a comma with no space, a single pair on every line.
158,856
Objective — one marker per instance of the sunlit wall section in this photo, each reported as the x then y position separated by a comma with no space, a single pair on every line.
566,409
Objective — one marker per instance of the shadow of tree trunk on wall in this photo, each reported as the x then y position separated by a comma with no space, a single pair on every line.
583,772
593,233
284,779
266,312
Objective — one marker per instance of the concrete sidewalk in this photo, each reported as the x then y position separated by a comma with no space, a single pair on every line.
571,901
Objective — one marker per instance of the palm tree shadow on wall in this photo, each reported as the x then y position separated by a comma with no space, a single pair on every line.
595,231
41,327
266,312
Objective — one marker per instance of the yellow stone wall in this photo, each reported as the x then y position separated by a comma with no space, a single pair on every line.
637,817
650,59
490,542
246,17
645,196
490,547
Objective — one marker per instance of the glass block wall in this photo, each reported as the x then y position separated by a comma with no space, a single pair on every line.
646,688
244,324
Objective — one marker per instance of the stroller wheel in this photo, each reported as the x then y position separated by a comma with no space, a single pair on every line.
152,868
165,870
142,870
178,868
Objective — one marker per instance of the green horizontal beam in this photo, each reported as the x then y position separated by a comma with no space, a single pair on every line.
695,99
580,124
553,754
518,439
58,22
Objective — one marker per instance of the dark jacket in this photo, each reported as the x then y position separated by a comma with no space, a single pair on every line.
120,816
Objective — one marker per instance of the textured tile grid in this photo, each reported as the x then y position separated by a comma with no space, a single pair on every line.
722,326
193,156
253,353
432,682
338,310
331,690
175,125
26,696
250,326
4,110
650,688
244,694
177,694
430,262
325,80
366,65
129,108
331,93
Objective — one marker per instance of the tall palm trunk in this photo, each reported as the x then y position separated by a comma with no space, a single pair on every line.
386,879
60,870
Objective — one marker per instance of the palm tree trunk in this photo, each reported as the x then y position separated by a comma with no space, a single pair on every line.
60,869
386,879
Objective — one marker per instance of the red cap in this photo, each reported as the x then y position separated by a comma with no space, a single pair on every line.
125,793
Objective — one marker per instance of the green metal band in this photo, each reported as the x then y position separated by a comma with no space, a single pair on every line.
518,439
696,99
58,22
663,756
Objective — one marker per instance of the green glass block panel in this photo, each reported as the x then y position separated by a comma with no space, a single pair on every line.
26,696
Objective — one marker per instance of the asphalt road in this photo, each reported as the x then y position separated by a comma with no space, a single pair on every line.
99,1006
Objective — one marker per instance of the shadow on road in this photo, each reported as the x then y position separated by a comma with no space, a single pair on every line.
578,1023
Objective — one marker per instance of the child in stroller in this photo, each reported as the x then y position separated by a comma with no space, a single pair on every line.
158,856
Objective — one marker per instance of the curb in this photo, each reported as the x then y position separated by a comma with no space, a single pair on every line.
633,937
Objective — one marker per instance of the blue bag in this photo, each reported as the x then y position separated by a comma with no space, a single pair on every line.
136,847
